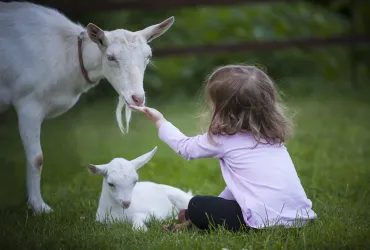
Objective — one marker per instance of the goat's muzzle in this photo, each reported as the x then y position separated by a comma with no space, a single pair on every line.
126,204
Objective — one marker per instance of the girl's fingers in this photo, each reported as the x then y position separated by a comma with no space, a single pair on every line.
140,109
147,111
134,107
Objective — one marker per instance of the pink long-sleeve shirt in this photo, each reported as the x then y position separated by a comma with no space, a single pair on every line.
262,180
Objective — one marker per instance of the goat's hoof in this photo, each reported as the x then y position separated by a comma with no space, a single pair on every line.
42,208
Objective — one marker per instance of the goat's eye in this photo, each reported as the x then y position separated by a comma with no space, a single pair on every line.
111,58
110,184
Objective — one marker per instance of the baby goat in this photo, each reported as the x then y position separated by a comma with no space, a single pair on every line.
124,199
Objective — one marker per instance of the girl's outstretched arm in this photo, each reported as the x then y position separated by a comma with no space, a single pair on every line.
188,147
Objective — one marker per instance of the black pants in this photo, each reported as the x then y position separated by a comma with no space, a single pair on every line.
207,212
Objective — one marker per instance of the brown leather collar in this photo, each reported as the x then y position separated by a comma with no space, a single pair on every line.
83,70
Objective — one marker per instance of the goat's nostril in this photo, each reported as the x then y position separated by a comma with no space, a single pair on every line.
139,100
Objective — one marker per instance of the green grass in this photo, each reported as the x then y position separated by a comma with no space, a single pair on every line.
330,149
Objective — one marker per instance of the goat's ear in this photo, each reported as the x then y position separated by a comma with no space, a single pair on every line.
142,160
97,35
152,32
97,169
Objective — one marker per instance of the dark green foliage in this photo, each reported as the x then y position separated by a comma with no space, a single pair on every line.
232,25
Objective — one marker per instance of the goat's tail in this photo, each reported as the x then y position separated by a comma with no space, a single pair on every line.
179,198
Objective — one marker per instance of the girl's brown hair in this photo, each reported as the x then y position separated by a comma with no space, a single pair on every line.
244,99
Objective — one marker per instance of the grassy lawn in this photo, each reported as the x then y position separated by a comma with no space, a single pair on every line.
330,149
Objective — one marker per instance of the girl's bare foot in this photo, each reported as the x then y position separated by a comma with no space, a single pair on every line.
182,223
176,227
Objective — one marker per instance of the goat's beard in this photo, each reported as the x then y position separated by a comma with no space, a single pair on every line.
121,103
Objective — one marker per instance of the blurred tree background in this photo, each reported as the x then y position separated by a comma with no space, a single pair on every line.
240,23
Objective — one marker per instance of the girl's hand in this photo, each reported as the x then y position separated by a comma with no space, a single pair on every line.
154,115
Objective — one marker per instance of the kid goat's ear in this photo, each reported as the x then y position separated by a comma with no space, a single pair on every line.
152,32
97,169
142,160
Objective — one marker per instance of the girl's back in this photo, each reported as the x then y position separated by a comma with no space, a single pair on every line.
263,179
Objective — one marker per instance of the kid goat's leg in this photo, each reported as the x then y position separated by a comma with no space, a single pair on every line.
138,222
30,118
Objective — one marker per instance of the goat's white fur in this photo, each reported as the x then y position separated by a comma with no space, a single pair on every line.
40,74
132,201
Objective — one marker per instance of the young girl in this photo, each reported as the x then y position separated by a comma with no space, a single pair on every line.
246,133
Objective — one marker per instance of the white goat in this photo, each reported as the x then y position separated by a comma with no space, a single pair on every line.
47,62
124,199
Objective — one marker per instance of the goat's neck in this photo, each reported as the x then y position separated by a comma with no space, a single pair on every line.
92,60
108,206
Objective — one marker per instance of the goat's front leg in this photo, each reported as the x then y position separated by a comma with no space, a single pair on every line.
30,118
138,222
